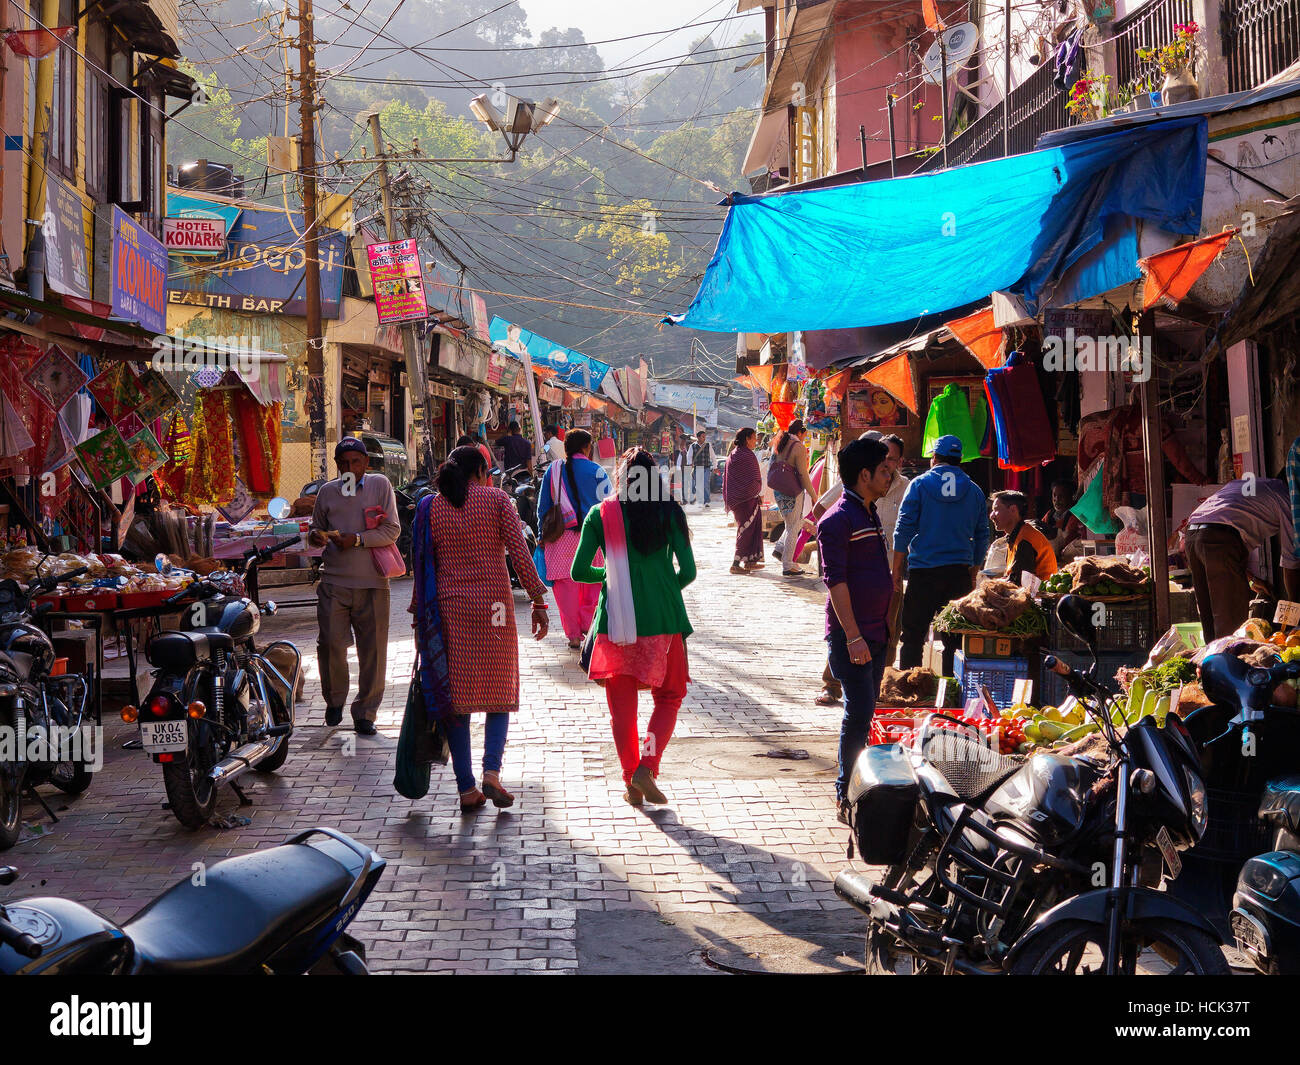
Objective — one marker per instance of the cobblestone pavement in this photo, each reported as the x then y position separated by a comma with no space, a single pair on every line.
571,878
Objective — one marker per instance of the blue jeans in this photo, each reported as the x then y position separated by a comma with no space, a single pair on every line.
494,744
861,686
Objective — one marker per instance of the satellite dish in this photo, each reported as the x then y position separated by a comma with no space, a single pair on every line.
959,42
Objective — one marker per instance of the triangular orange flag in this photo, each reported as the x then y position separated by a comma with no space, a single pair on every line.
895,377
980,336
930,10
763,375
1170,275
838,384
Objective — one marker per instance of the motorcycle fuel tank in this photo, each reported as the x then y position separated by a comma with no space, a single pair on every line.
1045,797
237,617
73,939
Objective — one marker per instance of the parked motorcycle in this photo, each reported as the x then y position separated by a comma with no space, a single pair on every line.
408,499
1244,875
42,714
218,706
1044,867
277,911
522,488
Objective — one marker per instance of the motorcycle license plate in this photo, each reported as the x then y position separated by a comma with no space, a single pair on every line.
163,735
1166,845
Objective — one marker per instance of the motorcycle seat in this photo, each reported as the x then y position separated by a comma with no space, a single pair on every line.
246,910
180,650
1280,804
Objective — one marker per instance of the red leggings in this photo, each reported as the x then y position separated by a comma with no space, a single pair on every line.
621,693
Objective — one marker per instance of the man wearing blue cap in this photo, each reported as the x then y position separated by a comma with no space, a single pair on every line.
942,534
352,597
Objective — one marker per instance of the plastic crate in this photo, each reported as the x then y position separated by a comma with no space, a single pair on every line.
999,675
892,726
992,645
1234,832
1124,627
1052,690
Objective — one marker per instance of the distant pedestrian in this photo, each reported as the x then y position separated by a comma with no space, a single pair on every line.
855,566
352,597
554,446
641,621
517,451
466,440
701,462
742,491
790,449
578,484
471,526
942,536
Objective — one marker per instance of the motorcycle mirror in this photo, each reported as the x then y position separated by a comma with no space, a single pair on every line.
269,607
1075,613
8,874
279,507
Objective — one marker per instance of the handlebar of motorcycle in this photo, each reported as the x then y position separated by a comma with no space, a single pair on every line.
20,941
185,592
1055,665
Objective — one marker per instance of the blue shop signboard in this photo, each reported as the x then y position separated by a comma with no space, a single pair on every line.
138,274
264,271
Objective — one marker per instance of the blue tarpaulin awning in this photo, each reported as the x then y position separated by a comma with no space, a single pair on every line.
891,251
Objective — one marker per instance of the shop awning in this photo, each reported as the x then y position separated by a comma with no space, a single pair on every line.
890,251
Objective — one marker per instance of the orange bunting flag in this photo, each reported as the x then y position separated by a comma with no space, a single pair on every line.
895,377
980,336
763,375
1169,275
837,385
930,10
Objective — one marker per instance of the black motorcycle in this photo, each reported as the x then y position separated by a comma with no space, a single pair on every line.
276,911
408,499
218,706
1244,875
44,729
1046,866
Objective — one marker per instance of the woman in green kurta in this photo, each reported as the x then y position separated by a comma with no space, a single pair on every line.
640,623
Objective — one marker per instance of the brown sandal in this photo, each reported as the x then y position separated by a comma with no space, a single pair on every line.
499,796
472,800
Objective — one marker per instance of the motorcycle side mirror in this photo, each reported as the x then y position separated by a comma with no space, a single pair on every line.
269,607
279,507
1075,613
8,874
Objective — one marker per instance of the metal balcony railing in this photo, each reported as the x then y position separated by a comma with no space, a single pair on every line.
1149,27
1261,38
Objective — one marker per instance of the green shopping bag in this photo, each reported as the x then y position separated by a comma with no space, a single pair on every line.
1090,510
411,778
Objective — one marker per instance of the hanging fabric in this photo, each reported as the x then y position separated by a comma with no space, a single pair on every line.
1025,436
950,415
211,477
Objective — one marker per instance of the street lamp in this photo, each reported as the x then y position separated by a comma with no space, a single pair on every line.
521,117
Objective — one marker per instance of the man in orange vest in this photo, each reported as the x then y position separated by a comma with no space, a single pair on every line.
1027,548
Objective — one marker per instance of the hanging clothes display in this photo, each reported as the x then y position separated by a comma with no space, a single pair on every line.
950,415
210,478
259,441
1025,436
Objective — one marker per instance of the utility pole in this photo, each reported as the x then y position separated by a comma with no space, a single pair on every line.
415,376
311,243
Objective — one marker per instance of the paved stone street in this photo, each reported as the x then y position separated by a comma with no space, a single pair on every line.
736,871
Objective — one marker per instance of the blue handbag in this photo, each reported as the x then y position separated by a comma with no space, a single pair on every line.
539,563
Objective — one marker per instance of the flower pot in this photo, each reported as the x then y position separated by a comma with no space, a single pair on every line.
1141,102
1179,86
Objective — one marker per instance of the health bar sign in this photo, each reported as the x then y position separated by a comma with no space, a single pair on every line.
397,281
139,274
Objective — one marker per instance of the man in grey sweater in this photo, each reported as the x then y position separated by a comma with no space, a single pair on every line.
352,599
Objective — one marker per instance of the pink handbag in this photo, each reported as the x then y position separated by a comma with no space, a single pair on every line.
387,559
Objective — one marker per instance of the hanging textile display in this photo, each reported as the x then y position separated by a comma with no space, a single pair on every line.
210,478
1025,436
105,458
159,396
950,415
257,463
116,391
55,378
147,455
176,441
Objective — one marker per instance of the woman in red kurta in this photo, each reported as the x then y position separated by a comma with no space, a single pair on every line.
471,527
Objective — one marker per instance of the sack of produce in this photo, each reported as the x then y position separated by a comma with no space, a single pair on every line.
995,606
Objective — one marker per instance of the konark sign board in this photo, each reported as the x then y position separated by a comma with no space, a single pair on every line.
194,236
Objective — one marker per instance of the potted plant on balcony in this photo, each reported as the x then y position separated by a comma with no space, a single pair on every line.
1176,60
1087,99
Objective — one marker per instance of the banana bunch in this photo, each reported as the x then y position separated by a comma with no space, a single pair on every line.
1065,724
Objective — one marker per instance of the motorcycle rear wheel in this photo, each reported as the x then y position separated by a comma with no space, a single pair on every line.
1162,948
192,796
71,778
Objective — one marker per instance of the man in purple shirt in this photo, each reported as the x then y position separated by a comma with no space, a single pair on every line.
855,566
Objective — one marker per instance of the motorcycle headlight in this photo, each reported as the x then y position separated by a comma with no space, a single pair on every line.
1264,878
1200,809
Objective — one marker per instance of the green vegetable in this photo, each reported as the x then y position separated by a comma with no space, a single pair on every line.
1164,678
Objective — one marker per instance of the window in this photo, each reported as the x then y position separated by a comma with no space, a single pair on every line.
123,188
98,95
63,118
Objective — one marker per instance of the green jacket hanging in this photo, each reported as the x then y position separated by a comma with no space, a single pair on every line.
950,415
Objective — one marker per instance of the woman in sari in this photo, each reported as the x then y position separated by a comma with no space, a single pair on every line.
464,615
575,485
641,625
742,492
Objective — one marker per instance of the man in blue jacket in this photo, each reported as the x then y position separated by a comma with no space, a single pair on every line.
942,534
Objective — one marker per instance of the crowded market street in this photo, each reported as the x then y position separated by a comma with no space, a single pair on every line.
734,874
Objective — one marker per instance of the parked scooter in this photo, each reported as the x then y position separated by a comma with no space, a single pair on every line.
1245,874
278,911
1045,867
219,706
36,705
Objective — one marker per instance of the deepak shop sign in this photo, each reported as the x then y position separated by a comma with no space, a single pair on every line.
194,236
139,274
